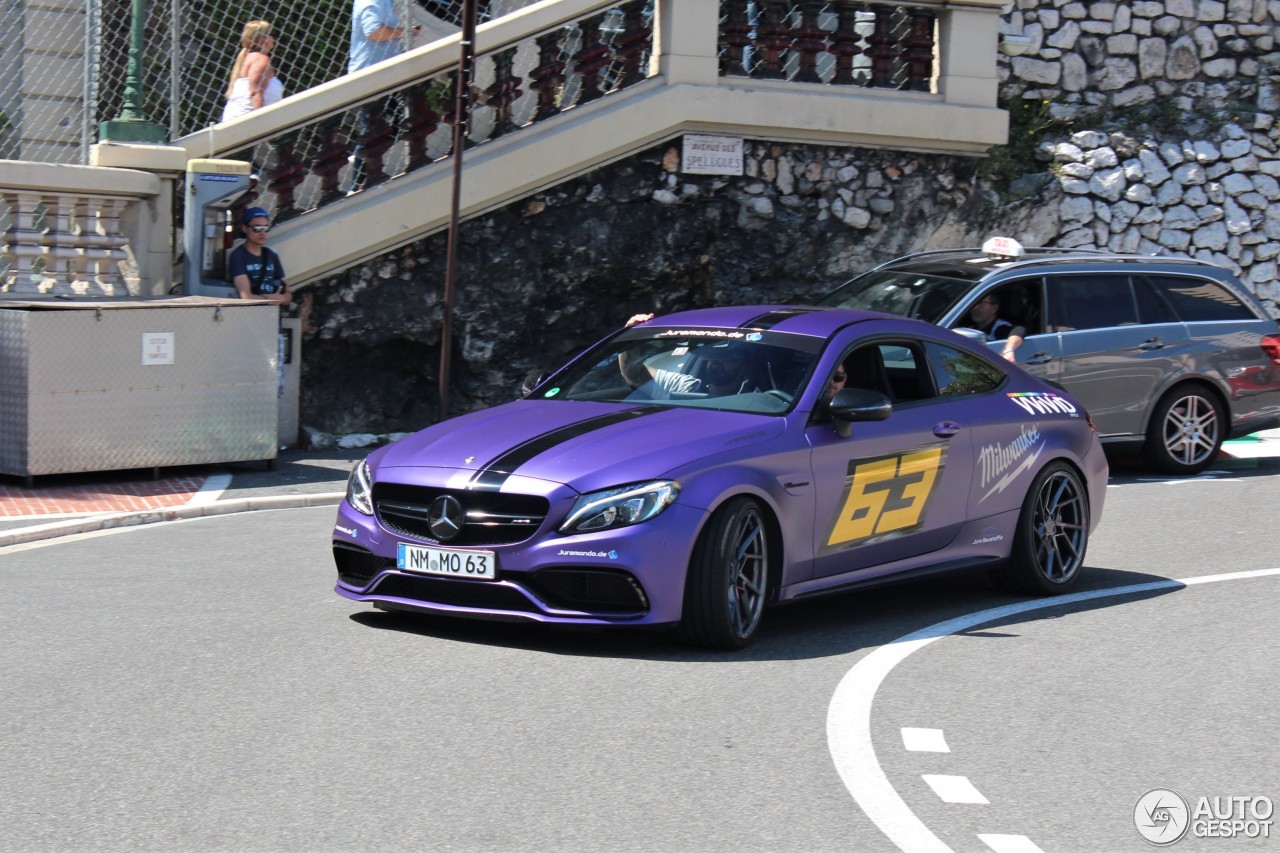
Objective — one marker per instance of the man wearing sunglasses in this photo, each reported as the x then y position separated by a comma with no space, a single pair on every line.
985,315
256,270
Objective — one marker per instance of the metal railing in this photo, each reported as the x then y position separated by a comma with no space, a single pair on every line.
525,78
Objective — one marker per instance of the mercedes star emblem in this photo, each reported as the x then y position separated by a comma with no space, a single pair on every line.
445,517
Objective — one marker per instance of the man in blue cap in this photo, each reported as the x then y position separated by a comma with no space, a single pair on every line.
256,270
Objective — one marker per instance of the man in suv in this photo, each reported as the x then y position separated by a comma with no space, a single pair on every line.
1172,356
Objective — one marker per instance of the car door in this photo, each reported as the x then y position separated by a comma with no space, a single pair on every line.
897,488
1119,342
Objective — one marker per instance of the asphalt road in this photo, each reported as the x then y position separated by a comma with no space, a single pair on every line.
197,686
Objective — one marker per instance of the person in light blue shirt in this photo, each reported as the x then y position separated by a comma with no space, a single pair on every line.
376,36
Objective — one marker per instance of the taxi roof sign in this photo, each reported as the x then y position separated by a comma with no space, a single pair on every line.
1004,247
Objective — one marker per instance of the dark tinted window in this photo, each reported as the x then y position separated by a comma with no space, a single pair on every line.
956,373
1151,305
1198,299
894,369
1092,302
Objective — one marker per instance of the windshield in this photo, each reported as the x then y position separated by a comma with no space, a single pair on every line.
736,370
907,294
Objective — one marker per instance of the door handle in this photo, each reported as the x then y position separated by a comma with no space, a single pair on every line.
1039,358
946,429
1152,343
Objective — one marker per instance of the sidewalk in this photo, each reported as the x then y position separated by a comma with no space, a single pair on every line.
66,504
80,503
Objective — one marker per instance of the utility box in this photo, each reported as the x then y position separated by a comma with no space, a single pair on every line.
290,375
108,384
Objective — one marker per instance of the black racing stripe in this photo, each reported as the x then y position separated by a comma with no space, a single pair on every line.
493,474
773,318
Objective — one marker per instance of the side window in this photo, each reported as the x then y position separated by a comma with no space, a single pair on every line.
1092,302
1198,299
958,373
895,369
1021,304
1151,305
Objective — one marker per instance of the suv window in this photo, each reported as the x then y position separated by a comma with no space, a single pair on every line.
1092,302
1198,299
1151,306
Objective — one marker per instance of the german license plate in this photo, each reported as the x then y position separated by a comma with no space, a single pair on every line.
450,562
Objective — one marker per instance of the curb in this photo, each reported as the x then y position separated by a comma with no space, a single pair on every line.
109,521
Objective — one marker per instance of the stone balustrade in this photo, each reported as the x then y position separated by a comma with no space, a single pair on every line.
84,230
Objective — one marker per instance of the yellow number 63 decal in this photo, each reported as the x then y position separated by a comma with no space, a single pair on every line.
887,494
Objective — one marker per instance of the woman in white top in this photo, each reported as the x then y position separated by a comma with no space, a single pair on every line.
254,83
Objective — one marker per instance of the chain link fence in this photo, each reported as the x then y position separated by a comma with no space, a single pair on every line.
72,57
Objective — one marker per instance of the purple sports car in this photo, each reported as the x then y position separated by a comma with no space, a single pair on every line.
691,470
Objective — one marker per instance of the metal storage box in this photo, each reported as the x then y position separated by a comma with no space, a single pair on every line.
109,384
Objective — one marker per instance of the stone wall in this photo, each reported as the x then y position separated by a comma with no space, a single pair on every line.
1195,54
1174,148
1160,139
554,273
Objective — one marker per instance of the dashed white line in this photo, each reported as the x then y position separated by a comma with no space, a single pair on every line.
849,714
924,740
954,789
1009,843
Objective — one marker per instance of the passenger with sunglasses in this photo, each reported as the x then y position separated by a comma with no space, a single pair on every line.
835,384
256,270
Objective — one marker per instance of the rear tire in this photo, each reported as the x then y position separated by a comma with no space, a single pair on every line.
1186,431
728,579
1052,535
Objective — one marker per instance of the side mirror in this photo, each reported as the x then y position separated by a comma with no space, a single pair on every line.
971,334
857,404
531,380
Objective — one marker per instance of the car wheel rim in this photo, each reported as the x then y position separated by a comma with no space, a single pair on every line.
747,575
1060,521
1191,430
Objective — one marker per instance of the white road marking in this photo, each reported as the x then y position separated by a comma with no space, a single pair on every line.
1009,843
924,740
849,714
954,789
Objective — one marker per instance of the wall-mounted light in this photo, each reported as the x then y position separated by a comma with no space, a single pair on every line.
1014,45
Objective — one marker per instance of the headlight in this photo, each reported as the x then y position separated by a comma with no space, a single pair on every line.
360,488
620,507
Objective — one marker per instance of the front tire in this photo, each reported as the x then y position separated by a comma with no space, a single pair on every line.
728,579
1052,535
1186,431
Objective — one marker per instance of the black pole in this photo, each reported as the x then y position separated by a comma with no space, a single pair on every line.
461,123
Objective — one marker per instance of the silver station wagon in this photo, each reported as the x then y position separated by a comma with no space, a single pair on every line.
1171,356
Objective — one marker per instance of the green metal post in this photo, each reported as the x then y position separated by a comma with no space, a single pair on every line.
131,125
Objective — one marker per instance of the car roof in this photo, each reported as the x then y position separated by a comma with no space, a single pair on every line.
810,320
972,264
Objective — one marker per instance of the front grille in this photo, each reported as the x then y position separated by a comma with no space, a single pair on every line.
356,566
478,594
592,590
493,518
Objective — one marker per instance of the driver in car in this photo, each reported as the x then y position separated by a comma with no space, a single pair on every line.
985,315
725,369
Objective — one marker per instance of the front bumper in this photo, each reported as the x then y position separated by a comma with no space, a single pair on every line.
629,576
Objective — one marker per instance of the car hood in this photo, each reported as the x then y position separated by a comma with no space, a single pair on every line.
586,446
